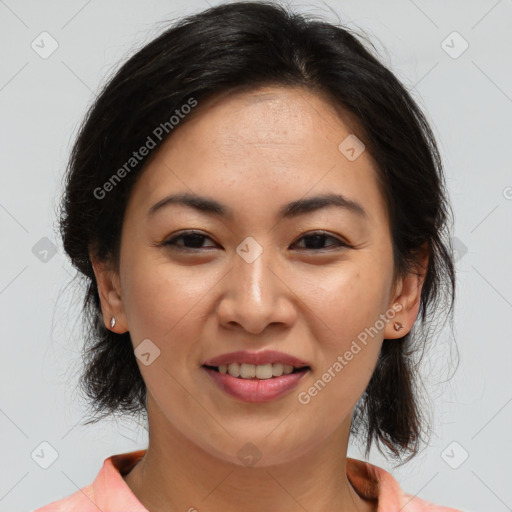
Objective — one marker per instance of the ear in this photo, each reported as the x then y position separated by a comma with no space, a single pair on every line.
109,290
406,299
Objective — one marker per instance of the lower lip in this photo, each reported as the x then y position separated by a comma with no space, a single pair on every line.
255,390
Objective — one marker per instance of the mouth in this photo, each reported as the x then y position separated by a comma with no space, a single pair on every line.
256,376
257,372
256,383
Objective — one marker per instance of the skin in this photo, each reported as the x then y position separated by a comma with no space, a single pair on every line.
253,152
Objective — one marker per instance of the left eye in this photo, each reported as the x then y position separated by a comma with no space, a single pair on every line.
317,240
195,241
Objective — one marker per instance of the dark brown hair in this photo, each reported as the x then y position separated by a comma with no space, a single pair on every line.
248,45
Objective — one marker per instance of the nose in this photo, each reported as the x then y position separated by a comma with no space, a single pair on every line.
256,295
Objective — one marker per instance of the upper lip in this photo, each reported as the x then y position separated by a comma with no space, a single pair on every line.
256,358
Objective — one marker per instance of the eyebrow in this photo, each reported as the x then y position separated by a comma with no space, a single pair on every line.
287,211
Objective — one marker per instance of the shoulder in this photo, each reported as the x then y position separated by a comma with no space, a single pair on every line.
81,501
375,483
412,503
108,491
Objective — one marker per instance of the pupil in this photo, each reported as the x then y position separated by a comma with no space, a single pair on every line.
317,241
197,240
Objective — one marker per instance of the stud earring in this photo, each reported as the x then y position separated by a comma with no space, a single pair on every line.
113,322
398,326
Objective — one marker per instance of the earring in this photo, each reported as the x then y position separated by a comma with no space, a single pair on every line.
113,322
398,326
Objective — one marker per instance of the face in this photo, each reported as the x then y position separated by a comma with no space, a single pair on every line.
307,283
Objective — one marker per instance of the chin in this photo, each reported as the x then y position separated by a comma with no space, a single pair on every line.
262,451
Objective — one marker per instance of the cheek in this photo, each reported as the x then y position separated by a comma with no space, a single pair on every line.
160,298
349,336
347,302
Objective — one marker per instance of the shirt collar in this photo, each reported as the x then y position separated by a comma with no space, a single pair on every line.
111,492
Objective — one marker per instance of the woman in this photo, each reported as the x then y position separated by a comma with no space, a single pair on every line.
258,207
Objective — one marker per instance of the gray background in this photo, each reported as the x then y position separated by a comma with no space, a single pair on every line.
467,98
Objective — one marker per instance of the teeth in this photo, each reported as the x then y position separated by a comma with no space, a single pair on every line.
260,371
264,371
287,369
234,369
277,369
247,371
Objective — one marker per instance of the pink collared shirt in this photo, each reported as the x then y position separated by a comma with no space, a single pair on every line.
110,493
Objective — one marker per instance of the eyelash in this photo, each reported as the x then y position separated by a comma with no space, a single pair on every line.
172,241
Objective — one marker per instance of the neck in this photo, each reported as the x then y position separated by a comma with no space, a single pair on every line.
176,474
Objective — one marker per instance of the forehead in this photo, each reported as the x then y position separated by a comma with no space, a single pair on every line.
268,145
270,116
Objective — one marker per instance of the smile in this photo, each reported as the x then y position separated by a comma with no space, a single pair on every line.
256,383
260,371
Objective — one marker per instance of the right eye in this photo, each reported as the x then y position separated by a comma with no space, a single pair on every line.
194,239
